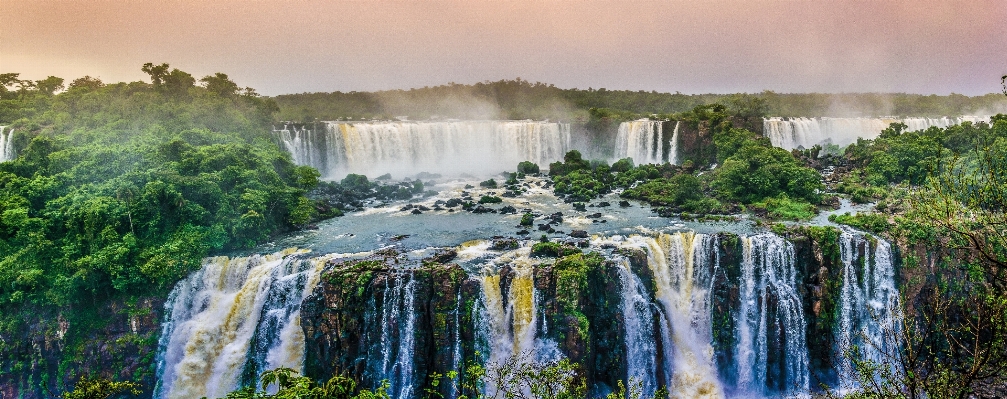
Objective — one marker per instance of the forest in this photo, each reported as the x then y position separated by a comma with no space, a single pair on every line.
521,99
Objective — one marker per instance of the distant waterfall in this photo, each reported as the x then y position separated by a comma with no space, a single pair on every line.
228,309
790,133
771,319
7,145
644,141
407,148
869,304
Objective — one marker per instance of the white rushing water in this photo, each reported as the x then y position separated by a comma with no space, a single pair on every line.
641,348
682,266
869,308
212,318
398,338
407,148
644,141
791,133
769,288
6,144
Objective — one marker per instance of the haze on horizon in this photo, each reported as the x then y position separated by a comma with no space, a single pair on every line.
703,46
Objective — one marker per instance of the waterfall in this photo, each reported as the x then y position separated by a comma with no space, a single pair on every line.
638,322
7,145
791,133
673,145
405,148
771,351
231,308
642,140
511,321
869,302
398,339
683,268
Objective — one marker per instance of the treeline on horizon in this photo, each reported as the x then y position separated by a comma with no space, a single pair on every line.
521,99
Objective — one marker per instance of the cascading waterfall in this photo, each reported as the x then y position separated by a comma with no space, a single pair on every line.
6,145
238,317
791,133
770,314
300,143
673,145
643,140
398,328
683,265
869,310
511,321
405,148
229,309
641,349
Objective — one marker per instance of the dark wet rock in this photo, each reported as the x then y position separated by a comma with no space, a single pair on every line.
502,243
544,227
438,208
594,215
399,237
604,204
556,217
523,232
416,212
552,230
407,207
453,202
579,206
624,204
508,210
443,255
483,209
422,208
439,202
578,234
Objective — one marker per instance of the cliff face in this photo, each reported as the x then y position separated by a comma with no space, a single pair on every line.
53,354
578,306
368,316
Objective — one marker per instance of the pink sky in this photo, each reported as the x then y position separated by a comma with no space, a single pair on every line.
689,46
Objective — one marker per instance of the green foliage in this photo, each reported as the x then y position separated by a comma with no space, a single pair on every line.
784,208
873,222
520,99
683,191
488,184
527,167
527,219
635,391
754,171
489,199
622,165
100,388
120,190
290,385
552,249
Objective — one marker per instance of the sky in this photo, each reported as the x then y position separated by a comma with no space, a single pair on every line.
698,46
